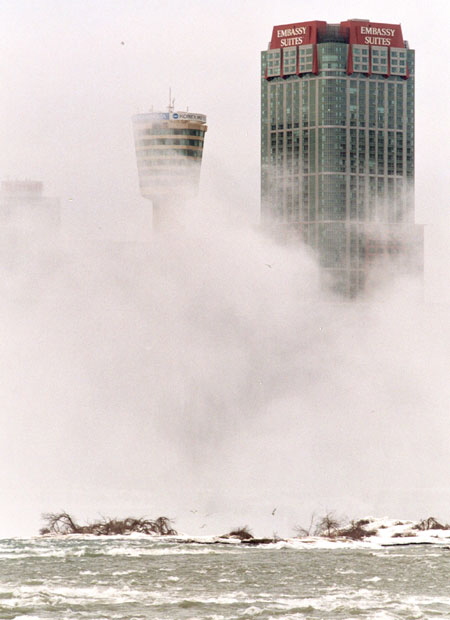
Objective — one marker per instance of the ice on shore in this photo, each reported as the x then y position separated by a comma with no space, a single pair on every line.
381,532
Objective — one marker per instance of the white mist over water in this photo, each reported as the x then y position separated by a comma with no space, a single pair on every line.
203,376
186,374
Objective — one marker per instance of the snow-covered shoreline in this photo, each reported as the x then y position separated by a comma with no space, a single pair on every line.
374,533
369,532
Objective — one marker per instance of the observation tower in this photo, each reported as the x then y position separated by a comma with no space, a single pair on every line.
169,149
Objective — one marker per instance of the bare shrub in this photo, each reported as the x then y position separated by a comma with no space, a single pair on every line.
243,533
430,524
357,530
59,523
328,526
301,531
63,524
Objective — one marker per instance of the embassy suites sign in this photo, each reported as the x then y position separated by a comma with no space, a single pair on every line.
291,35
359,32
377,36
367,33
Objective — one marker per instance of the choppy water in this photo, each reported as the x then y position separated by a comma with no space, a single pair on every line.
139,578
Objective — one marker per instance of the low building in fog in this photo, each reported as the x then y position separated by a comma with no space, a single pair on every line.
24,202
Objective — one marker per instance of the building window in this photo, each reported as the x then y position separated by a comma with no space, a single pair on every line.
398,61
305,53
380,60
360,57
273,63
289,60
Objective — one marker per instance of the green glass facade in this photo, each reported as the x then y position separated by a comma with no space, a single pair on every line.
337,151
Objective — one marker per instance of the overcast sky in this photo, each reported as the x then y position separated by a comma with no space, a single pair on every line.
128,382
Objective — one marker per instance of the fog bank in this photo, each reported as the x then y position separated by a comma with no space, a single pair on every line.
202,375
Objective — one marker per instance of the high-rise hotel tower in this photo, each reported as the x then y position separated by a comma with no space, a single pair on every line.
169,148
337,145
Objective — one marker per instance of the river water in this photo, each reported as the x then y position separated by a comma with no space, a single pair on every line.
130,578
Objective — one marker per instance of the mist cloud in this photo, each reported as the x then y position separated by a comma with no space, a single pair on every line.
205,370
201,370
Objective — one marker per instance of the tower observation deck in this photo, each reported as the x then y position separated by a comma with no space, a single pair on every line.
169,149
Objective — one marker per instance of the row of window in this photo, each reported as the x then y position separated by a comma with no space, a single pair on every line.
387,204
386,104
365,59
169,142
177,153
169,131
185,157
376,60
287,164
294,60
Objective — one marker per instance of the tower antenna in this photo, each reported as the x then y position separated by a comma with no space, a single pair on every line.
170,107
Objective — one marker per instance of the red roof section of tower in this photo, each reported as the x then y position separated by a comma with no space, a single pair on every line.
372,33
300,33
361,32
